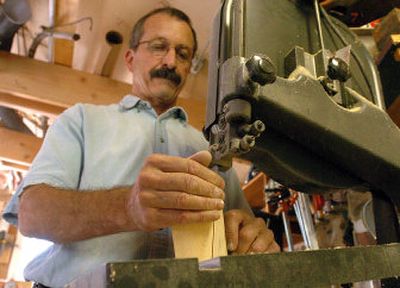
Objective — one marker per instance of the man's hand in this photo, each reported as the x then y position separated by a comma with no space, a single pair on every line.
246,234
173,190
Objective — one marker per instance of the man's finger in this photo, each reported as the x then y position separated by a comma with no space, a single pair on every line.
264,243
179,200
248,234
170,217
182,182
167,163
233,220
202,157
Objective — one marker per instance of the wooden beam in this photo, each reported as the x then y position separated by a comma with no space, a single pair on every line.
66,12
14,166
47,87
7,250
29,105
17,147
54,84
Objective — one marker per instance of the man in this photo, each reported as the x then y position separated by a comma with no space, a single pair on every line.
110,180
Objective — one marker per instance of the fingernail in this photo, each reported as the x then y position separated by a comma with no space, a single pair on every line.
221,204
230,246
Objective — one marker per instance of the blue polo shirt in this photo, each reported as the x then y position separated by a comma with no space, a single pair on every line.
92,147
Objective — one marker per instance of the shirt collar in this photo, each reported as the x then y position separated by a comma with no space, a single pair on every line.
130,101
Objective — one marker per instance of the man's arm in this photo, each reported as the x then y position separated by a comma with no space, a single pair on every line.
169,190
64,216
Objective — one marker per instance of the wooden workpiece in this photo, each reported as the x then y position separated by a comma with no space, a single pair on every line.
200,240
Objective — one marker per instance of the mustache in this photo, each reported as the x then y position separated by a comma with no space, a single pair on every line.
166,73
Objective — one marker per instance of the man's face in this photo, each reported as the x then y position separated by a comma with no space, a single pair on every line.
158,72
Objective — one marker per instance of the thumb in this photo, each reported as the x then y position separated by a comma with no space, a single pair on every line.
232,223
202,157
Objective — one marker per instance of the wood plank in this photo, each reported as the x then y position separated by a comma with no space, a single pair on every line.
54,84
6,250
203,241
29,105
66,12
59,87
17,147
14,166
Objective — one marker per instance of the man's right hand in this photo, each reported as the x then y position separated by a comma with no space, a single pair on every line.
173,190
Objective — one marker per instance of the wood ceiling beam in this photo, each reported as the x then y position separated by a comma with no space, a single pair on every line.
54,84
49,89
28,84
29,105
18,148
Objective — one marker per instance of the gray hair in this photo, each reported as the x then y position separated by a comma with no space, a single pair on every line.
137,31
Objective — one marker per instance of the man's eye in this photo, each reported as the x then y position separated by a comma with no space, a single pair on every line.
159,47
183,54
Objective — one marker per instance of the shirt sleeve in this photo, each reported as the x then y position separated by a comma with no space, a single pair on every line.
59,160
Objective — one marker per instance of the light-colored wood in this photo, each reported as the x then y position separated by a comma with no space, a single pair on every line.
200,240
6,251
54,84
16,284
30,105
66,12
14,166
53,88
17,147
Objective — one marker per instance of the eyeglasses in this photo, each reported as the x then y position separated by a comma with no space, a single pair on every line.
159,47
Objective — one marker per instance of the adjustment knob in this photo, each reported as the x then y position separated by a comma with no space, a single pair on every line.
261,70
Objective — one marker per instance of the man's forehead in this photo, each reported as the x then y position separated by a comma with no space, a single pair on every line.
163,25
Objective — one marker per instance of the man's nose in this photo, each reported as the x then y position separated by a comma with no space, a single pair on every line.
170,58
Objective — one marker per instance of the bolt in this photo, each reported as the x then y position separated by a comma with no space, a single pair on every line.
247,142
261,70
259,126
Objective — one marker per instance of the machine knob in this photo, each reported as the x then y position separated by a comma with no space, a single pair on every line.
261,70
338,69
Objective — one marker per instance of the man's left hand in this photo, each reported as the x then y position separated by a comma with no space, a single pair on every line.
246,234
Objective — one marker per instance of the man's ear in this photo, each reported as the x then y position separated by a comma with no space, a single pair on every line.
129,56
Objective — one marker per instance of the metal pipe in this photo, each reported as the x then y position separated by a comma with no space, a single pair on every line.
321,36
303,213
51,34
52,20
13,14
288,231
